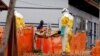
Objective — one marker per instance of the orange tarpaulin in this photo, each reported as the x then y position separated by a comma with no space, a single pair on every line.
38,43
81,40
39,40
78,42
44,44
25,40
73,43
47,45
96,49
57,45
1,33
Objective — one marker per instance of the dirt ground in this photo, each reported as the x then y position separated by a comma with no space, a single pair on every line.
85,53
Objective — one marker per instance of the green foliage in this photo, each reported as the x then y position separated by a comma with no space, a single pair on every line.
39,52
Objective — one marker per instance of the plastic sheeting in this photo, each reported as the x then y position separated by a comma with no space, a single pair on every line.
96,49
1,34
78,42
50,45
25,40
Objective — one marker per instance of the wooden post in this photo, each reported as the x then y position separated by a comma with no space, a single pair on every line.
12,40
10,32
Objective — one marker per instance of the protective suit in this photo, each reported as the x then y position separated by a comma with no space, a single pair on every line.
65,25
19,20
